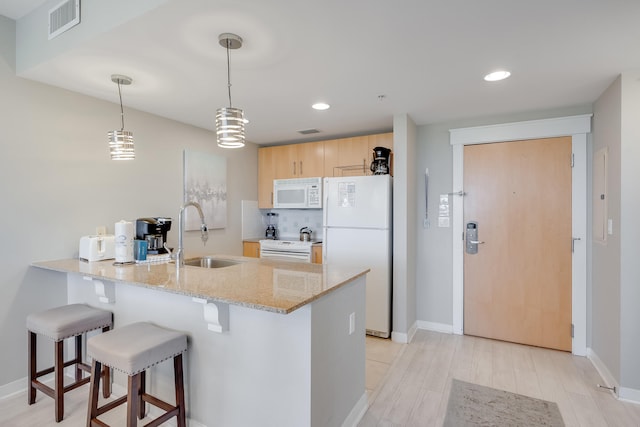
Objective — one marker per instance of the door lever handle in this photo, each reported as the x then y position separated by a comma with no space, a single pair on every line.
475,242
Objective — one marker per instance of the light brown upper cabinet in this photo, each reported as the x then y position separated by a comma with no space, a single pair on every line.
353,156
266,175
298,160
287,161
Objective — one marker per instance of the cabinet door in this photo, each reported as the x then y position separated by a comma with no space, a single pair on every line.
310,159
285,157
316,254
251,249
266,175
380,140
331,159
352,156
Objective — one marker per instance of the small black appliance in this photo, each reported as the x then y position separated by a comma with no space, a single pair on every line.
380,163
154,231
272,231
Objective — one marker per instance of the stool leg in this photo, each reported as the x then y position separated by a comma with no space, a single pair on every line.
94,389
59,379
78,357
106,380
32,338
133,400
178,377
142,389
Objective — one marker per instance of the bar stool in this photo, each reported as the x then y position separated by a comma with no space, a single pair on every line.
133,349
59,324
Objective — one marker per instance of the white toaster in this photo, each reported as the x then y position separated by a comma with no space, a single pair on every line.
98,247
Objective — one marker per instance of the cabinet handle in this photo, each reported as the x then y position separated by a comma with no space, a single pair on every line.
272,198
294,168
301,168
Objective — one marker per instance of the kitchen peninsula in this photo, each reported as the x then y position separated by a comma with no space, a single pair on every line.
271,343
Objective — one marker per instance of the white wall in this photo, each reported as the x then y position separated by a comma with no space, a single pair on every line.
58,184
629,237
605,293
404,240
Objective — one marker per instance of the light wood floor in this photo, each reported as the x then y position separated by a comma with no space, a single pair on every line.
415,388
408,385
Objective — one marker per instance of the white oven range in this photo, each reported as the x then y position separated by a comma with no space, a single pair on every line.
286,250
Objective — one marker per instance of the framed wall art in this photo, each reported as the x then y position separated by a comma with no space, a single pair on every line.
205,182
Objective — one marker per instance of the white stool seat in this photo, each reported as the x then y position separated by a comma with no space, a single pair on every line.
136,347
68,321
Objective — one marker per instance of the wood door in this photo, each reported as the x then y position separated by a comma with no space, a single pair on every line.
517,287
266,174
311,159
285,158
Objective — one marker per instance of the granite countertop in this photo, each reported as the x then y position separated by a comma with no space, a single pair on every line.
277,286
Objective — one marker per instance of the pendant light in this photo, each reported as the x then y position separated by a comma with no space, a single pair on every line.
121,141
229,120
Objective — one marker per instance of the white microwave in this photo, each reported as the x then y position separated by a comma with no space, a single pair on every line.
297,193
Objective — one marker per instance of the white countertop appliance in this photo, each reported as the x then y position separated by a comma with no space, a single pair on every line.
97,247
286,250
357,223
297,193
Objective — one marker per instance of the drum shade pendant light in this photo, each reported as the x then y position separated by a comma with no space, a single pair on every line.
229,120
121,141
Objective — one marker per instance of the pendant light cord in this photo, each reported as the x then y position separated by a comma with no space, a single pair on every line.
121,109
229,74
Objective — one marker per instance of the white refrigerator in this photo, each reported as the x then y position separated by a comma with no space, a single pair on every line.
357,230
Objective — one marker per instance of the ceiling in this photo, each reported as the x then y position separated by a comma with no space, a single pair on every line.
369,59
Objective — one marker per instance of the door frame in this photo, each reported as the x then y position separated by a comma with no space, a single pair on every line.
575,126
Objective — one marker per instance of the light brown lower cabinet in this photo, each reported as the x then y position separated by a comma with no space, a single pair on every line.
251,249
316,254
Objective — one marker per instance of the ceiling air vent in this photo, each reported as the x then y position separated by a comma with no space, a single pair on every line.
308,131
64,16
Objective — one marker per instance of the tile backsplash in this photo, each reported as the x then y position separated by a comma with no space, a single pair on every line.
290,221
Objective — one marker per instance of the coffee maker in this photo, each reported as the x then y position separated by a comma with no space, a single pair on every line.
380,163
154,231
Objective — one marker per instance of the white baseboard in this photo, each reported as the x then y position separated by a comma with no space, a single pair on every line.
630,395
357,412
404,338
435,327
605,374
14,387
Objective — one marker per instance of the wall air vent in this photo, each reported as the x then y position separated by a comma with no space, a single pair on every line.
64,16
308,131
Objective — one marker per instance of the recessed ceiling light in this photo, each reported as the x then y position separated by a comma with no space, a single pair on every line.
497,75
320,106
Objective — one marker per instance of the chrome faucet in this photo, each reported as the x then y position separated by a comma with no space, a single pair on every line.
179,255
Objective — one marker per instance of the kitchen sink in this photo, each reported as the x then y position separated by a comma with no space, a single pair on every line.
210,262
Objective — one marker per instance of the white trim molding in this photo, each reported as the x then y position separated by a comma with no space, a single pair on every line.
403,338
435,327
575,126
